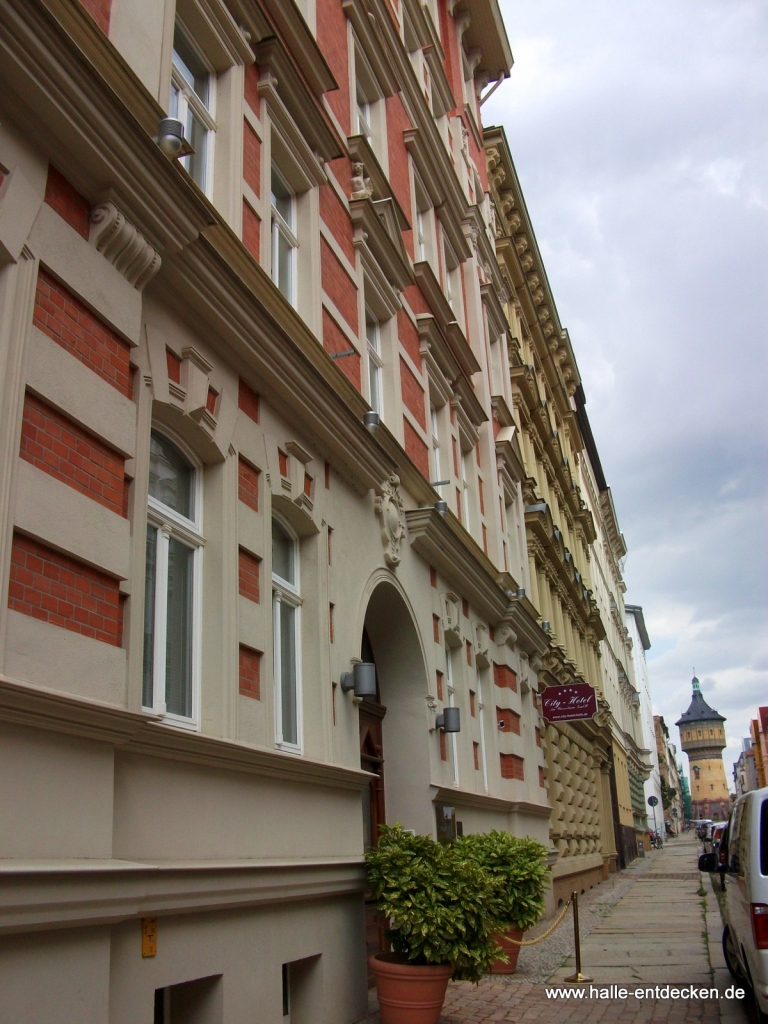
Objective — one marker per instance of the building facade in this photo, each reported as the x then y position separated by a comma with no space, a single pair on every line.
200,535
638,634
573,555
702,737
672,806
758,728
745,769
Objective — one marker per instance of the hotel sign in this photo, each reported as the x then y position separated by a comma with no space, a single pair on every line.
568,703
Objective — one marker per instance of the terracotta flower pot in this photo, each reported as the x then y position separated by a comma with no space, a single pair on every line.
409,993
510,948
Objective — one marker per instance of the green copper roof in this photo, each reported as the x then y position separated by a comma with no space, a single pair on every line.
699,710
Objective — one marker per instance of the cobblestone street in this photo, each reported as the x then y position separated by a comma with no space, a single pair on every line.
647,926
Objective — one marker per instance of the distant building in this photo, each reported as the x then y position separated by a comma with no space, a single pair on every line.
641,643
671,788
759,730
702,734
686,794
744,770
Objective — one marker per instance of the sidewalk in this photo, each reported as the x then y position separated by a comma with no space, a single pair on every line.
647,926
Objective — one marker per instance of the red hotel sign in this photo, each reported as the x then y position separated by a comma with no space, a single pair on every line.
568,703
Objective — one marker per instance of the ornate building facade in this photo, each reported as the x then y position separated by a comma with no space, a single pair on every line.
702,736
574,548
237,388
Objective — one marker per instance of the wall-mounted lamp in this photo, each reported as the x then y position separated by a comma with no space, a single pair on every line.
170,138
449,720
362,679
546,626
441,506
371,421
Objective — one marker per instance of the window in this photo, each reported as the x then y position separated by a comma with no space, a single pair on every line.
466,470
453,281
451,704
375,364
192,102
286,606
425,222
363,112
284,240
435,443
172,582
369,113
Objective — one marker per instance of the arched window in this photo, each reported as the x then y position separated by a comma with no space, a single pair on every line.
286,607
171,586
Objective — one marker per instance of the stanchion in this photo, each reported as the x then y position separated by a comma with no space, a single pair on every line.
578,977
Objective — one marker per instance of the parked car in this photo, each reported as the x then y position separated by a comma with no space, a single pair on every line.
702,828
718,829
745,935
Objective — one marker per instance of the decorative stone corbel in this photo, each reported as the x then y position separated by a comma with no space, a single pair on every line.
362,186
113,235
452,619
482,646
390,512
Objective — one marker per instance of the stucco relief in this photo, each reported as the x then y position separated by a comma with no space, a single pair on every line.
391,515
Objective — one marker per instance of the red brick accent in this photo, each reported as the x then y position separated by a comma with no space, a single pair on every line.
338,285
542,780
399,174
330,545
248,572
252,97
459,508
415,299
512,767
504,677
99,11
439,684
334,42
173,365
453,68
465,607
415,449
308,485
248,483
443,746
468,649
251,158
65,319
64,591
247,400
282,460
510,718
455,448
476,755
334,340
409,336
432,576
250,672
53,443
436,628
537,731
472,703
482,496
413,394
251,231
492,634
210,401
327,476
67,202
330,623
337,219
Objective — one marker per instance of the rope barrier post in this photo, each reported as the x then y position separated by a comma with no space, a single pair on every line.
578,977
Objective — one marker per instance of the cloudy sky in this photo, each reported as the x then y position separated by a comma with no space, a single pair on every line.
638,129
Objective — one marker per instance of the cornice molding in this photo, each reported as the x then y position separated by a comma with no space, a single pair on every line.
377,228
464,798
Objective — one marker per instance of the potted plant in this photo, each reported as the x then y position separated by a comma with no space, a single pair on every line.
438,903
519,875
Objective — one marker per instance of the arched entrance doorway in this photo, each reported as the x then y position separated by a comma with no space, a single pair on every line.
394,726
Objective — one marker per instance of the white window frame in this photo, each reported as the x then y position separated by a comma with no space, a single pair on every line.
280,227
434,427
452,283
465,489
285,592
170,523
425,221
450,690
187,101
375,362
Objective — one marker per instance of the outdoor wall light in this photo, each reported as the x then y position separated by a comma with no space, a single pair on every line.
546,626
170,138
371,421
449,720
441,506
362,680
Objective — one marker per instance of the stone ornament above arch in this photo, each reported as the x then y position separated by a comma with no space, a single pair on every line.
390,512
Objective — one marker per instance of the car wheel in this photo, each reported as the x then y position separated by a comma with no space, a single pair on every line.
731,957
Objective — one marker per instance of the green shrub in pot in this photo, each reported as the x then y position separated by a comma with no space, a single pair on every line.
437,900
519,873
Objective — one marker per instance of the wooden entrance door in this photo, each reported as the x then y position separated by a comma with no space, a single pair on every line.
372,760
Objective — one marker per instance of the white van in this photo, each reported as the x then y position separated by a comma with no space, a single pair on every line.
745,937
